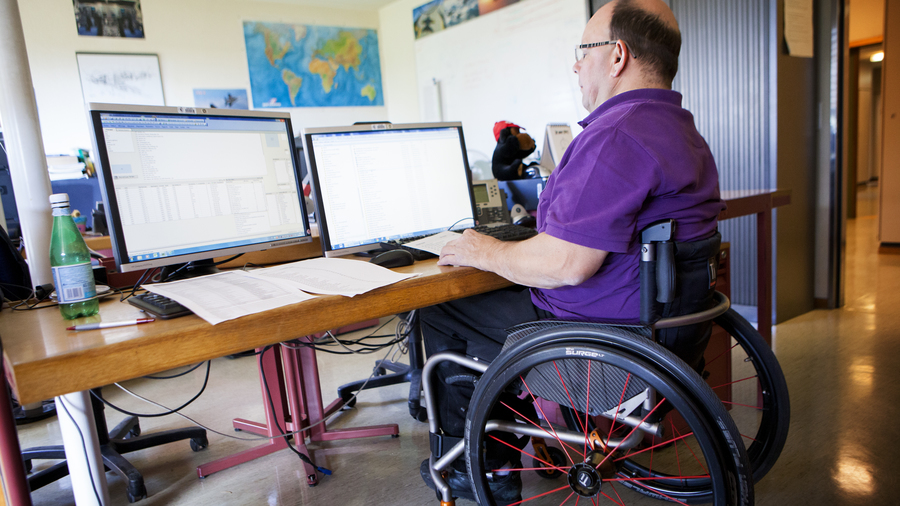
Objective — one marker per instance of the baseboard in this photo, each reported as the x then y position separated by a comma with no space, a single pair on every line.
889,248
821,304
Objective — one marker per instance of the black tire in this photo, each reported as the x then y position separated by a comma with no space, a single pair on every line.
764,417
621,361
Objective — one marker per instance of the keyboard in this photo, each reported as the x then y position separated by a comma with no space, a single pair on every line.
158,305
505,232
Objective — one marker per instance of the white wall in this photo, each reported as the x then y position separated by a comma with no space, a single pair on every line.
398,48
200,44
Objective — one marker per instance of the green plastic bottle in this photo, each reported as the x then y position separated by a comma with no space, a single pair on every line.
70,262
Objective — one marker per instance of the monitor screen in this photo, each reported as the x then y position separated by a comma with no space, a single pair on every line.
374,183
184,184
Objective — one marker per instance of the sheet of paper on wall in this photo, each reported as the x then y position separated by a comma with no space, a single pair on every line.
332,276
228,295
798,27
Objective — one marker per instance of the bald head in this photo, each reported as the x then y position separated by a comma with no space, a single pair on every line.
650,30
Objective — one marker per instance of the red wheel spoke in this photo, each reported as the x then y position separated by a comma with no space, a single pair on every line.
656,478
617,492
618,407
611,499
736,381
567,499
571,403
750,438
608,455
695,456
744,405
554,435
536,403
525,469
539,495
632,454
675,444
495,438
720,355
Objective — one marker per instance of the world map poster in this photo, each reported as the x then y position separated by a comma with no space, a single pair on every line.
312,66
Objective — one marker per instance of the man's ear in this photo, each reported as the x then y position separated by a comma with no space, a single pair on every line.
620,57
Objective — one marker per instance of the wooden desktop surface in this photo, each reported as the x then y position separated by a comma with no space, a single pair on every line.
43,360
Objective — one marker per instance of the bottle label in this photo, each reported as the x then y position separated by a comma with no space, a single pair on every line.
74,283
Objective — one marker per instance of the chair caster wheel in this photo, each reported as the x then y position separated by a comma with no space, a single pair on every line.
134,432
198,444
28,466
136,492
395,436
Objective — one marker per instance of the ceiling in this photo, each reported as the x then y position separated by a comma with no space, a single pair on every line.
363,5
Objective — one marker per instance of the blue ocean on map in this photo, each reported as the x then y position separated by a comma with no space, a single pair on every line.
312,66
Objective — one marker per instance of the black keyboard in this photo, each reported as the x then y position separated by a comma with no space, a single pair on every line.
504,232
159,306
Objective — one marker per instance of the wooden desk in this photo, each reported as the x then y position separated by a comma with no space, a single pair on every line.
43,360
760,203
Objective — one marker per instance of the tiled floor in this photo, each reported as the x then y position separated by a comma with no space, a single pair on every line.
842,369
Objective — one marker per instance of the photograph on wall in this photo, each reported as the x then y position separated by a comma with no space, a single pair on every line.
120,78
437,15
109,18
221,99
312,66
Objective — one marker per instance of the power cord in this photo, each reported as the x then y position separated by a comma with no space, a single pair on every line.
155,415
83,446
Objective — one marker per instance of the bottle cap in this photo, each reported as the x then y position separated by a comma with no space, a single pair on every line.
59,200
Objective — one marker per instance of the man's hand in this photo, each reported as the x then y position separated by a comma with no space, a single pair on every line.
541,262
469,250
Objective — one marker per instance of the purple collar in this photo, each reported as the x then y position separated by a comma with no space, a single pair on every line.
640,95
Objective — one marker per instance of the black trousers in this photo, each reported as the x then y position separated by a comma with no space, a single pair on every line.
475,327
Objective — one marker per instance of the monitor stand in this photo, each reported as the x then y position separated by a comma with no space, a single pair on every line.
187,270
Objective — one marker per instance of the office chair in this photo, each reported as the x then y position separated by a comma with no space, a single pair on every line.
124,438
620,408
401,373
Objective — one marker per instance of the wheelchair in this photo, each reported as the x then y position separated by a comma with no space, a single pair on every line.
604,413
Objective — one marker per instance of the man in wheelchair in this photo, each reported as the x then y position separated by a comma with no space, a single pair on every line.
640,159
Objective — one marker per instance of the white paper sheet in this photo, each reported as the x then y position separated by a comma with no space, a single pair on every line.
220,297
434,243
798,27
332,276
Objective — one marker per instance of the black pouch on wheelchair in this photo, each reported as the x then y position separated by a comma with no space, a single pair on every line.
695,281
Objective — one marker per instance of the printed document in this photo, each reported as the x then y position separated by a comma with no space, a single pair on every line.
228,295
434,243
332,276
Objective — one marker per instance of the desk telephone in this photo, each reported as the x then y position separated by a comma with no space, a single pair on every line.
490,203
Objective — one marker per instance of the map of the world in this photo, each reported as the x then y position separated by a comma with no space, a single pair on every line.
312,66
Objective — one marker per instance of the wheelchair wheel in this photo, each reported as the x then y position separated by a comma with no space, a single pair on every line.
635,393
759,403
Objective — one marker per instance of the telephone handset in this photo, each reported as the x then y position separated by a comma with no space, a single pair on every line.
490,203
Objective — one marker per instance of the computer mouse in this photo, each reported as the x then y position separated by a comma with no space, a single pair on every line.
393,258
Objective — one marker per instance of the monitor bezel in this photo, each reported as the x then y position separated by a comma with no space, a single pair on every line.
313,170
107,187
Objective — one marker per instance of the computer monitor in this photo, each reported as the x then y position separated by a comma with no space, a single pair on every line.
184,184
374,183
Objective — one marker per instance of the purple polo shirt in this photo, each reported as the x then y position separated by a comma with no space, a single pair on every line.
639,159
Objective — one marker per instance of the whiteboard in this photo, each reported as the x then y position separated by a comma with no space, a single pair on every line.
513,64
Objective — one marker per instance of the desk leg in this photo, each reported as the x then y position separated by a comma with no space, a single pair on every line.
311,394
82,445
271,380
764,274
14,489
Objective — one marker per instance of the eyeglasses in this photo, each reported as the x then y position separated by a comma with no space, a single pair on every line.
579,49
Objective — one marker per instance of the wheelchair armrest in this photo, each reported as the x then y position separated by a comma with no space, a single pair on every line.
722,305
